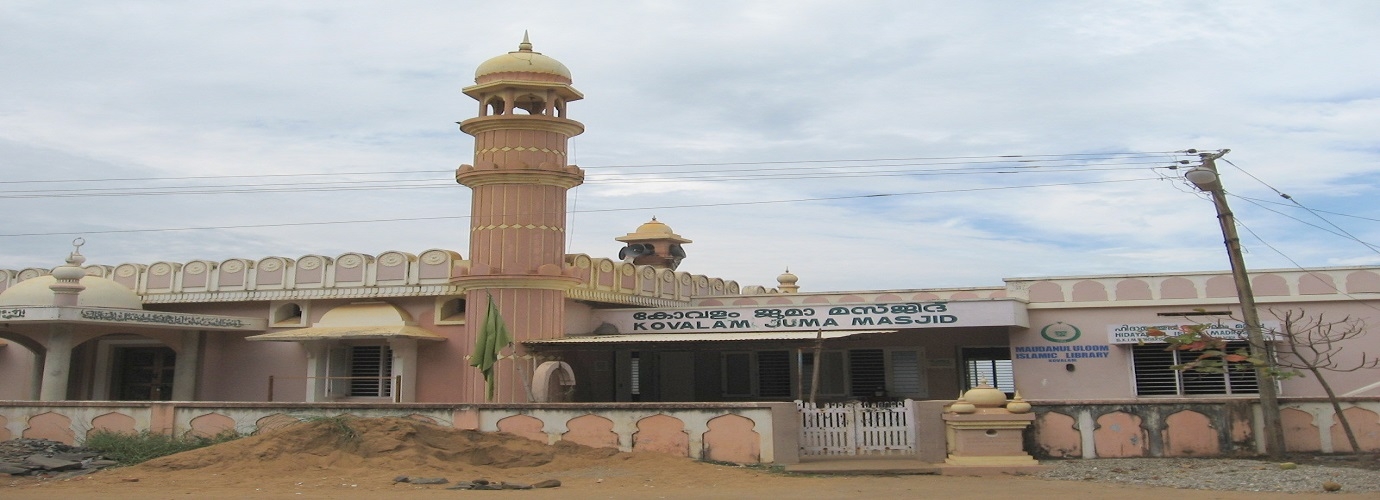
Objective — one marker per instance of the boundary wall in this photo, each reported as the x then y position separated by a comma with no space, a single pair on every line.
750,433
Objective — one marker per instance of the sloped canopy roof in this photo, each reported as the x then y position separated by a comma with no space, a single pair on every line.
363,320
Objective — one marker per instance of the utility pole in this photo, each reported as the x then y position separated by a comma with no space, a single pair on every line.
1205,177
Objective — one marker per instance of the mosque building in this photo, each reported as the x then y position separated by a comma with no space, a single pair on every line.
401,327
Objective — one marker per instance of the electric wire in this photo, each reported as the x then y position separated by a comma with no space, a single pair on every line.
1300,267
624,209
1347,234
619,178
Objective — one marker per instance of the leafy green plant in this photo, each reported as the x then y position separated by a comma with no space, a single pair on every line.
131,448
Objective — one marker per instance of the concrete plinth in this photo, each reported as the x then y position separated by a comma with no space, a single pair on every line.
988,442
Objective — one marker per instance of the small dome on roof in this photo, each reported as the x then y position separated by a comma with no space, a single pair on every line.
652,230
524,59
654,227
787,278
99,292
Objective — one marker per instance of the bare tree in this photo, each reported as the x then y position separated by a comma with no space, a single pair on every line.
1313,343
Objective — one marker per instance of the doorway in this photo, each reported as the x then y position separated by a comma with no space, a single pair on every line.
143,373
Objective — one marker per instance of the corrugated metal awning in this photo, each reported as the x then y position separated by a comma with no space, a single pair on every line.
698,337
349,333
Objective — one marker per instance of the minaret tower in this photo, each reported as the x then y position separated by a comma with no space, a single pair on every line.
517,225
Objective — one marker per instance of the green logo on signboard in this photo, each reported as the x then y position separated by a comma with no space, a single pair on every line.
1060,332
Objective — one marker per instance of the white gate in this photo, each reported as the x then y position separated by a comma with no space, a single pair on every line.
857,428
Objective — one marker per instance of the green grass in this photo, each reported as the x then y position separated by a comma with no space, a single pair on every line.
132,448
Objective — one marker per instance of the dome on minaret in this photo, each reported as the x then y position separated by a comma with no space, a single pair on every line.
787,282
522,60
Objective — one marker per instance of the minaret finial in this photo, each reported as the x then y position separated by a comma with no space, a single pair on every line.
526,45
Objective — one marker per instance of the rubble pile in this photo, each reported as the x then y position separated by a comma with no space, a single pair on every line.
41,457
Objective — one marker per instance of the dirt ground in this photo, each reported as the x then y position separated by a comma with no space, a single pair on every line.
359,458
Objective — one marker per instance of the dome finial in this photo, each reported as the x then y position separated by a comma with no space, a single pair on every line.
76,258
526,45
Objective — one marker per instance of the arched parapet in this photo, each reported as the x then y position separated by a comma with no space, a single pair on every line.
31,272
130,276
1267,285
1046,291
1089,291
1363,282
1178,287
395,268
352,269
666,283
273,273
163,277
199,276
437,265
1220,287
235,274
1133,289
312,271
99,271
7,278
1317,284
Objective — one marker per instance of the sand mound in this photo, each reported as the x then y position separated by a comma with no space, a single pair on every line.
381,443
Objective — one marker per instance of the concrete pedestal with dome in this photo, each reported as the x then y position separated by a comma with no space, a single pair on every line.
984,432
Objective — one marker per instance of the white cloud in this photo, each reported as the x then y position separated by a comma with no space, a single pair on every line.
99,90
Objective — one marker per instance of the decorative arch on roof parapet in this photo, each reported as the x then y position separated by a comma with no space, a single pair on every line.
608,275
163,276
273,273
437,264
394,268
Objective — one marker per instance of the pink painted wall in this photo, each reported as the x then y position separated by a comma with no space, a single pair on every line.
16,371
1112,377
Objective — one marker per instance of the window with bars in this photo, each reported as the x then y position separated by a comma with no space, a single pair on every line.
774,374
867,372
907,375
737,372
992,364
1155,375
831,373
765,374
371,371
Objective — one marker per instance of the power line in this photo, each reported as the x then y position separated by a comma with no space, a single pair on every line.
615,178
1344,232
994,159
665,207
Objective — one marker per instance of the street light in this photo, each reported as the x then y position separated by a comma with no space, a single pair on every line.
1205,178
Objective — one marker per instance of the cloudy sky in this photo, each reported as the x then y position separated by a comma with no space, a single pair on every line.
864,144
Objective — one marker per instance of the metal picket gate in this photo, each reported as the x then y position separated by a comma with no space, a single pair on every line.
857,428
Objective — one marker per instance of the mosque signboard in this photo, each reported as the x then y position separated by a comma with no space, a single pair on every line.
825,317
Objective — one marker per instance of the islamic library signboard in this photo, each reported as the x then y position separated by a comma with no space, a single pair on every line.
827,317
